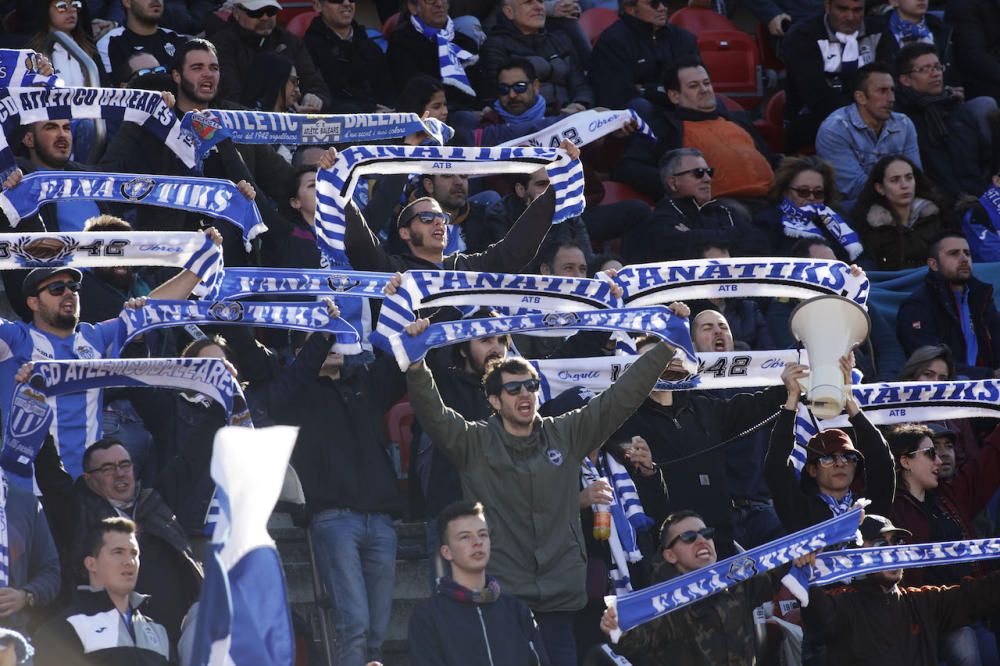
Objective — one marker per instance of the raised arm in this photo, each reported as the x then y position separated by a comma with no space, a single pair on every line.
880,468
446,427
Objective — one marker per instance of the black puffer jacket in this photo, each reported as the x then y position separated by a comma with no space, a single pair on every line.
354,70
551,53
711,223
630,57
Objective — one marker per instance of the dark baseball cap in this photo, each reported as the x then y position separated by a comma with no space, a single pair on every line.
829,442
875,526
942,430
31,281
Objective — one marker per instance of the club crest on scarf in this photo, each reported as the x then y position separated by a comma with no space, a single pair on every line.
239,282
228,311
742,569
137,189
31,251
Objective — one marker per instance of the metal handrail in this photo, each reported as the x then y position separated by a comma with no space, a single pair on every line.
94,76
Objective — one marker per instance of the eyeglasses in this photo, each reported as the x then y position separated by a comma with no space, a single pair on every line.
59,288
109,468
430,217
294,80
849,458
699,172
930,452
927,69
690,536
656,4
62,6
514,388
257,13
805,192
145,71
519,88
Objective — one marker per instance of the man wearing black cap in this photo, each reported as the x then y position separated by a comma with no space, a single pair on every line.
56,333
944,440
875,621
835,474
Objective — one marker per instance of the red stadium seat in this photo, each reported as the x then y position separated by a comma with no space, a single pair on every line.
698,20
292,8
596,20
399,431
390,25
733,62
768,56
615,192
772,125
300,23
728,102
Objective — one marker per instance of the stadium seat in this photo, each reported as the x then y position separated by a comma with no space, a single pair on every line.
399,432
596,20
768,56
772,125
300,23
290,9
615,192
733,62
698,20
728,102
390,25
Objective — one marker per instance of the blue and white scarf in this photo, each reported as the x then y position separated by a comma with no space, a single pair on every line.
23,106
19,69
31,415
312,317
905,31
4,537
192,250
452,58
334,186
208,196
990,201
671,595
536,112
582,129
666,282
804,223
838,506
468,290
839,565
655,320
716,370
241,282
627,517
211,126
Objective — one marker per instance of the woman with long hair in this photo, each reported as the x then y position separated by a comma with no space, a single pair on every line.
897,213
804,205
69,17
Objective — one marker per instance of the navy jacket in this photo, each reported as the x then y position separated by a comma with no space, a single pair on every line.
929,316
977,49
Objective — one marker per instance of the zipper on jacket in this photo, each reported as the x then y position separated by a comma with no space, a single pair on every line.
486,638
531,646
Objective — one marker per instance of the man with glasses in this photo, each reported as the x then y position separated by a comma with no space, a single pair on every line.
527,469
630,56
352,65
719,629
170,575
141,33
955,135
424,226
688,218
836,473
253,28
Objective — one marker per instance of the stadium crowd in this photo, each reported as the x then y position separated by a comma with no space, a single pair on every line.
887,158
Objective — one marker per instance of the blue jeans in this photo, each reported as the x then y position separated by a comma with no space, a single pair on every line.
356,555
756,524
557,634
971,645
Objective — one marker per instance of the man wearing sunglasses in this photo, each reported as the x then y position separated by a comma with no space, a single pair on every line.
527,469
719,629
141,33
56,333
627,64
253,28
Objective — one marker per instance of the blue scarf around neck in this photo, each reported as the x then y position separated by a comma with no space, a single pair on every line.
536,112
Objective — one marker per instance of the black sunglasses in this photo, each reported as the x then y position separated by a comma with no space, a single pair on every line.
59,288
805,192
699,172
655,4
520,88
430,217
848,458
883,541
690,536
263,11
930,452
514,388
145,71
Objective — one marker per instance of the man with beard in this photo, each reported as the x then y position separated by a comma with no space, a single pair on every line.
468,229
141,33
875,621
195,72
954,308
56,333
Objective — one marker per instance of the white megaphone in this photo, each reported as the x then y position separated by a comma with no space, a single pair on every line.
829,327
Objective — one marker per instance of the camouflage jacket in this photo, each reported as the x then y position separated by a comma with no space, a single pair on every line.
718,631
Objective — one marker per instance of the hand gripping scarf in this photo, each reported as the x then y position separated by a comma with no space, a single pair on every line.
19,69
335,186
582,129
